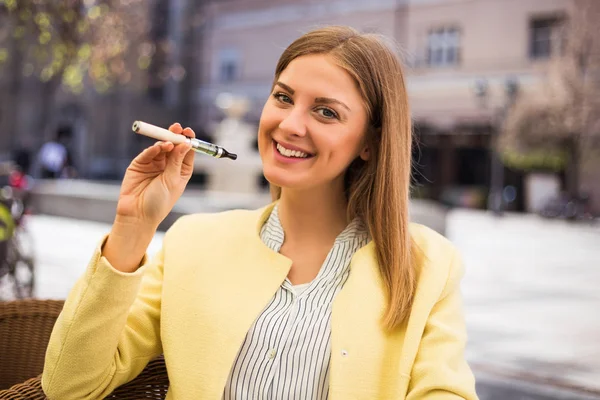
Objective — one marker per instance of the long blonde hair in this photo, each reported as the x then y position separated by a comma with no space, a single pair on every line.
378,189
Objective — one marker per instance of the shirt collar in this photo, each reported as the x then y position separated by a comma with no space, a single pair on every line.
272,234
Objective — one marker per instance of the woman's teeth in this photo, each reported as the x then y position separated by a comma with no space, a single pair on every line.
290,153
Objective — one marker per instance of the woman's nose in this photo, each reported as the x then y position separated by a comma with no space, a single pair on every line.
294,123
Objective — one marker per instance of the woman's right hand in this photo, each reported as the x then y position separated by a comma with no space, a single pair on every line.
155,180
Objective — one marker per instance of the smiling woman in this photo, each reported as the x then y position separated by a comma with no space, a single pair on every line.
310,113
342,95
326,293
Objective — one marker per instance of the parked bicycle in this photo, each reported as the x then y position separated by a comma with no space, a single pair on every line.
17,272
565,206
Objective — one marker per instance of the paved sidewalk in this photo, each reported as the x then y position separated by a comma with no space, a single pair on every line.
531,297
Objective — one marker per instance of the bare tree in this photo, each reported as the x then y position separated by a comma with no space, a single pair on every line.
562,118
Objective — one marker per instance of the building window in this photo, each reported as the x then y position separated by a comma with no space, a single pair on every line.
229,65
443,47
546,37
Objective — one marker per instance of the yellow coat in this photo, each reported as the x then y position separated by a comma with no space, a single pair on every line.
197,298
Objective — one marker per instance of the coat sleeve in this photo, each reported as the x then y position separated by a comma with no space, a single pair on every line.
440,370
107,332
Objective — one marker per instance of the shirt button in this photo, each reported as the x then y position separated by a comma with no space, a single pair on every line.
272,353
344,353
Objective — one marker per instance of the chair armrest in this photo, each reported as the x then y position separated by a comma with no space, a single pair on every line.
25,328
31,389
151,384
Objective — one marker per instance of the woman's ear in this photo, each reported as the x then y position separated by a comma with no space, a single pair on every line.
365,154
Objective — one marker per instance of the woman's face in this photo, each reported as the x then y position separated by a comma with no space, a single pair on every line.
312,126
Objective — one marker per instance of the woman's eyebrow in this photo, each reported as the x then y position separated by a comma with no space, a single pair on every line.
327,100
286,87
322,100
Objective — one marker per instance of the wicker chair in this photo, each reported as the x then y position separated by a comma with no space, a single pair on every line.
25,328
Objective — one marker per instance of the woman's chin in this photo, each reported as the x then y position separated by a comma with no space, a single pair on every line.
283,180
277,181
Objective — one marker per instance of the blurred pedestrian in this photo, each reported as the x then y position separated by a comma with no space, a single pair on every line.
329,291
21,156
55,158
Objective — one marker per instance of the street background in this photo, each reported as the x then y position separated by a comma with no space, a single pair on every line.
505,102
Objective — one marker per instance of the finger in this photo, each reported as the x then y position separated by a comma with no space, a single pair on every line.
188,159
166,147
175,159
188,162
156,152
149,153
176,128
189,132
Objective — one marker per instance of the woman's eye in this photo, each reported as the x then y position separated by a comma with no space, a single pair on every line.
282,97
327,113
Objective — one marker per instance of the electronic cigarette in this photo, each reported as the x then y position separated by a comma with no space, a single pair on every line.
166,135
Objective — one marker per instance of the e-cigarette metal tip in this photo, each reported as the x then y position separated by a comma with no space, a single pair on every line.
229,155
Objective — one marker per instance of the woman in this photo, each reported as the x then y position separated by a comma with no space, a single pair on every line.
328,292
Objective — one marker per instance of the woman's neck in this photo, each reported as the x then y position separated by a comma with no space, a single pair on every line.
318,216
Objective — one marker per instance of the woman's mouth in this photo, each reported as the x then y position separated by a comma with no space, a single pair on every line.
291,154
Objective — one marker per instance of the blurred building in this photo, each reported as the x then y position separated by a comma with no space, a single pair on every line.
466,61
244,40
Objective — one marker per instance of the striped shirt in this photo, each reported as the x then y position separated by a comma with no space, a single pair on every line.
287,350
